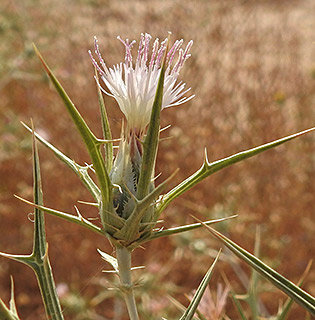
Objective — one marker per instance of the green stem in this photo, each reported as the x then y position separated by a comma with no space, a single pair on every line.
124,266
48,290
39,260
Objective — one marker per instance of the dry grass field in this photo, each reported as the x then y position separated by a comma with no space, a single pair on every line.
253,73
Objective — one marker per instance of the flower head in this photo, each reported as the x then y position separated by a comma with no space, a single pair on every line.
133,83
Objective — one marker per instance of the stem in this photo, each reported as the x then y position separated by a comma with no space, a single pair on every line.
48,290
39,260
124,266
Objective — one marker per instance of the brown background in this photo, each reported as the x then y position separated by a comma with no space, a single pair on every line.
252,71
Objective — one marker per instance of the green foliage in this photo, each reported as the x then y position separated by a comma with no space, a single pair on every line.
191,309
208,168
127,232
38,260
293,291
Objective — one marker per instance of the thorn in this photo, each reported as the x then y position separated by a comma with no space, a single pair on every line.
93,204
171,176
112,289
206,157
148,223
93,219
157,176
102,141
12,291
164,139
110,271
137,268
41,59
118,187
24,200
78,212
205,223
132,196
165,128
89,166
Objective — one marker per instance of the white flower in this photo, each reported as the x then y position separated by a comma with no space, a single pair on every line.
133,85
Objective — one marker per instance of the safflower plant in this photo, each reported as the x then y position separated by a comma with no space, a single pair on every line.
123,186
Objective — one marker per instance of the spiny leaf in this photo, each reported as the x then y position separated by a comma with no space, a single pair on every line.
152,138
67,216
39,260
80,171
234,298
301,297
91,143
190,311
179,306
108,147
284,311
41,264
188,227
81,125
253,298
209,168
39,243
238,306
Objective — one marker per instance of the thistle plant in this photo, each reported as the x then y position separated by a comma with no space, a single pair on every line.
123,186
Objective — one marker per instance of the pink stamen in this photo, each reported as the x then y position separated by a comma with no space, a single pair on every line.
186,52
98,53
154,52
128,47
96,64
141,42
173,50
146,47
179,62
160,54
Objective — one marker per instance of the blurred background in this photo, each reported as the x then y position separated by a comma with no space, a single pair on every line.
253,73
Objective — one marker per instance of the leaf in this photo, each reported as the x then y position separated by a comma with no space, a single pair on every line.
39,260
40,263
301,297
284,311
188,227
253,298
190,311
39,243
92,144
67,216
209,168
179,306
106,128
80,171
238,306
152,137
